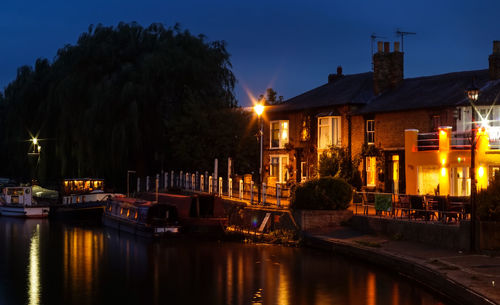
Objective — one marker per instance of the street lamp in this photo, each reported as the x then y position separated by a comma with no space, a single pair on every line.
128,181
473,94
259,109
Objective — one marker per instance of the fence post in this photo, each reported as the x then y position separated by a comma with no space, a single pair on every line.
193,181
206,177
138,185
220,186
278,194
147,183
241,189
251,192
165,180
210,185
172,179
180,179
264,189
196,179
230,187
202,183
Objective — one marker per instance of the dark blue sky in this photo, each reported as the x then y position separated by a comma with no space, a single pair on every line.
291,46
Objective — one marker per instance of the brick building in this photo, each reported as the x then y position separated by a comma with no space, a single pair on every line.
372,109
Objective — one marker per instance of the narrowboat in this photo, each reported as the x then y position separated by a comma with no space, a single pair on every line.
18,201
140,217
82,198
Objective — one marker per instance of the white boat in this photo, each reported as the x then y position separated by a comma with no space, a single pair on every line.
18,202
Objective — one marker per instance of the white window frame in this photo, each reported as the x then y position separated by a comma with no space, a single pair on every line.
281,173
370,131
334,124
371,161
284,130
303,171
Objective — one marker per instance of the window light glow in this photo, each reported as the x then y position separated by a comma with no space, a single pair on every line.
480,172
443,161
443,171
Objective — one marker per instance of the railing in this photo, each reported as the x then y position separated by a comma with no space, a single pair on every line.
445,209
428,141
460,140
276,195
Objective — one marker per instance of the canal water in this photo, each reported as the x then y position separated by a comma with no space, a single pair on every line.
44,262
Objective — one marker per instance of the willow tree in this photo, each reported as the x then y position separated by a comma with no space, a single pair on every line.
125,97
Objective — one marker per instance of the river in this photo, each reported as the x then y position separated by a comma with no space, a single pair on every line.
45,262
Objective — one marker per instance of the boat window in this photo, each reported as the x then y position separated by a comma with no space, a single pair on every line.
135,216
128,213
121,211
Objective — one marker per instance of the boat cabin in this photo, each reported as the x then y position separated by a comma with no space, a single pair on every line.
18,195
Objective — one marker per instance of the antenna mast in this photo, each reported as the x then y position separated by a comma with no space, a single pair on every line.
402,34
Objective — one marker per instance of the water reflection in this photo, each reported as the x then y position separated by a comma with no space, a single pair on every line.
64,264
34,268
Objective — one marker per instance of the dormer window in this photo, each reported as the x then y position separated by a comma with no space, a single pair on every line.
279,133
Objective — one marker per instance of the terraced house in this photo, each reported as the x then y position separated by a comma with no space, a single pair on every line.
369,112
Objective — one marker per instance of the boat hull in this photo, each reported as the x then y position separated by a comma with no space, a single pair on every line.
87,211
138,228
25,211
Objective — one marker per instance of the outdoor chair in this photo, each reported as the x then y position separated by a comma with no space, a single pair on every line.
457,207
417,207
368,200
403,205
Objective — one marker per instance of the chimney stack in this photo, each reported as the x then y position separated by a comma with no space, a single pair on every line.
494,61
387,67
334,77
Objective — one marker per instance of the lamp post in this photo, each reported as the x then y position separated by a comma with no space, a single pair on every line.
473,94
259,109
128,181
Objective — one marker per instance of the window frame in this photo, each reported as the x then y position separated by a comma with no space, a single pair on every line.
370,132
334,129
281,173
283,124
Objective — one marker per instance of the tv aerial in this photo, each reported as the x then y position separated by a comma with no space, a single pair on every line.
402,34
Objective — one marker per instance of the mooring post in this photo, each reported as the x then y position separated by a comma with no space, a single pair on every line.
251,192
230,187
210,184
138,185
147,183
220,186
241,189
264,191
202,183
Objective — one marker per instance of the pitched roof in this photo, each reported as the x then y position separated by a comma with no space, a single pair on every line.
443,90
349,89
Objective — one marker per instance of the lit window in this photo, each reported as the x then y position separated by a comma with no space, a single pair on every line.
303,171
304,134
328,132
278,168
279,134
371,164
370,131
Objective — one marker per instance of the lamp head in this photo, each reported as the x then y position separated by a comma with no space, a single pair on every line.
259,109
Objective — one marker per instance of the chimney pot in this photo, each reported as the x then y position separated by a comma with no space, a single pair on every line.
380,46
339,71
496,46
387,48
396,46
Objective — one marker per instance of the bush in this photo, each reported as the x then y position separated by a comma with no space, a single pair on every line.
336,162
488,201
326,193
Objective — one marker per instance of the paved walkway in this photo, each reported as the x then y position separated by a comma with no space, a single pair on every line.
459,271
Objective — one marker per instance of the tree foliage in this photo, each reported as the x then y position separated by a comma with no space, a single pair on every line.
125,97
336,162
488,201
325,193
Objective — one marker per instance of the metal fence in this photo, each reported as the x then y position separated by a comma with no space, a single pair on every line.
273,195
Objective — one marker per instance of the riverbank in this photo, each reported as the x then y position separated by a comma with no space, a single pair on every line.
462,277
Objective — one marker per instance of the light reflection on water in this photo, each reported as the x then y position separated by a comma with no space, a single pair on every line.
90,265
34,268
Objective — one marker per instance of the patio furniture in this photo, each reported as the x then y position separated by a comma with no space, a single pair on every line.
403,205
368,200
417,207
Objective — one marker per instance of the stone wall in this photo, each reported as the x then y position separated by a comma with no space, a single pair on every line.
316,219
442,235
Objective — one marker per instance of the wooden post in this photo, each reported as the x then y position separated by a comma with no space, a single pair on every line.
138,185
180,179
172,179
165,180
202,183
193,181
147,183
220,186
264,191
210,185
251,192
241,189
230,187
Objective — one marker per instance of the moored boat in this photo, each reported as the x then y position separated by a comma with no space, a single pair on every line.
140,217
18,202
82,198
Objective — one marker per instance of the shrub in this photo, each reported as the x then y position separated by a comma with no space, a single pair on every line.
326,193
336,162
488,201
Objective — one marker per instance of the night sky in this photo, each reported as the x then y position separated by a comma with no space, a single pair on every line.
288,45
